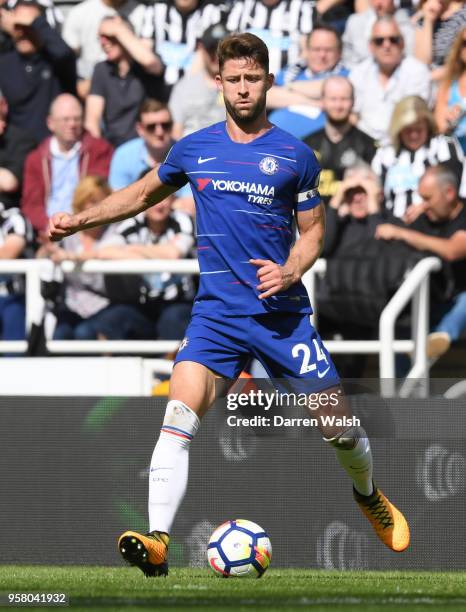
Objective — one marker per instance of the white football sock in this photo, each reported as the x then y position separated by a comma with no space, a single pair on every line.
168,475
354,455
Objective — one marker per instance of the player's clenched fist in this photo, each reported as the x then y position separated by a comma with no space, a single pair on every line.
60,226
273,278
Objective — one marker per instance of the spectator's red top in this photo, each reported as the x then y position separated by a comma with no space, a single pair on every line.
94,159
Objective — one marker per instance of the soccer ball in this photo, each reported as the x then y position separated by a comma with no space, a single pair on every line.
239,548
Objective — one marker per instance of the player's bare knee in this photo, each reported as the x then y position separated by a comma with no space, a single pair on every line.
194,385
347,439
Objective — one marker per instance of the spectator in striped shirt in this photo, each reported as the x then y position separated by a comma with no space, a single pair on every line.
415,145
441,230
437,25
162,302
83,306
282,24
176,25
16,238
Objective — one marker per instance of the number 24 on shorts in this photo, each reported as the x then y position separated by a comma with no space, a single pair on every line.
306,365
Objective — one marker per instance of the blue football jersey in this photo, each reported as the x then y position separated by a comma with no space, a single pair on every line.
246,195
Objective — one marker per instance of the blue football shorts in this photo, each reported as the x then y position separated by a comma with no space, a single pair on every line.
286,344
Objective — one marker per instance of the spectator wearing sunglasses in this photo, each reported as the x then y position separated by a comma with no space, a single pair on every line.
130,74
137,156
358,30
385,78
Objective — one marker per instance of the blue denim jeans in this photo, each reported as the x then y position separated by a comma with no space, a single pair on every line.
115,322
12,317
163,321
452,317
124,322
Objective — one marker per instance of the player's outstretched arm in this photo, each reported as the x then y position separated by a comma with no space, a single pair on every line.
121,204
274,278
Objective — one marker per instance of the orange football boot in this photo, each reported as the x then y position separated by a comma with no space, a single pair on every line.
148,552
389,524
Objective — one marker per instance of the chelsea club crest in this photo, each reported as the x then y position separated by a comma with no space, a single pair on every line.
268,165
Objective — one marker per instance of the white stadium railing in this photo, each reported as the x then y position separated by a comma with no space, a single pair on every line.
414,289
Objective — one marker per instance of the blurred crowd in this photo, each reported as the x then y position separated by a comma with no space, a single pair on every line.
92,97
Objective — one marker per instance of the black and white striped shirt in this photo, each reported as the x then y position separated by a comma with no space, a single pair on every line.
13,223
280,27
445,34
176,33
180,231
401,172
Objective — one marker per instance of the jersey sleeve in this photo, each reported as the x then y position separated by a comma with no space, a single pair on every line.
171,172
307,195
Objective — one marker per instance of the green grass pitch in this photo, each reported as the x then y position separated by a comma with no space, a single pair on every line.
125,588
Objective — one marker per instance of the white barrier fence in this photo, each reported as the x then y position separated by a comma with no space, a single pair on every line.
414,289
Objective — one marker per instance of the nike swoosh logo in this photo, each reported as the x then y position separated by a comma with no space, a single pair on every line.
322,374
162,468
206,159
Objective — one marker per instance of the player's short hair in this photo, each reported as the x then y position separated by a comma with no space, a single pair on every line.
151,105
86,189
236,46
